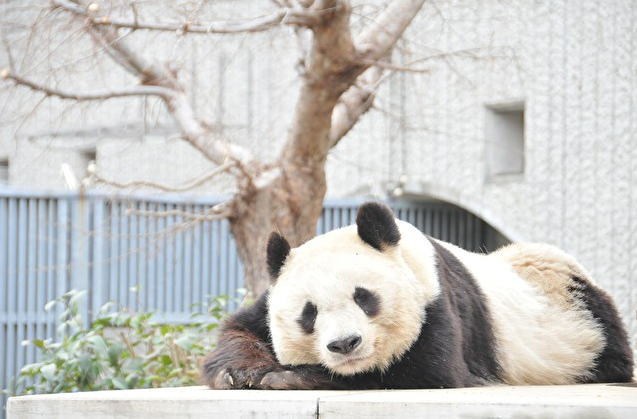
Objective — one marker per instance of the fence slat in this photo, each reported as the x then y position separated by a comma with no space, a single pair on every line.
23,269
5,368
160,280
11,288
41,262
97,257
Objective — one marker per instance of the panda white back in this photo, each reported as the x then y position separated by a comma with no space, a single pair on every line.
540,340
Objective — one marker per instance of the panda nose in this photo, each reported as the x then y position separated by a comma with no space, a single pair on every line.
345,346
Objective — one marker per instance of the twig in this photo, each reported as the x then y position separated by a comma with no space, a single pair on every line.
88,95
291,16
178,104
210,214
189,186
394,67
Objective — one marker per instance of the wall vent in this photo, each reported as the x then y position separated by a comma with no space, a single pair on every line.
505,140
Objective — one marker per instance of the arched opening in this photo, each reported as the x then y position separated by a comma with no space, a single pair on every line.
450,223
438,219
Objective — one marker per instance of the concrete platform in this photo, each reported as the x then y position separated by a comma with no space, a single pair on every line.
581,402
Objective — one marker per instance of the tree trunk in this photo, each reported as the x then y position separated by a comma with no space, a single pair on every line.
291,201
291,205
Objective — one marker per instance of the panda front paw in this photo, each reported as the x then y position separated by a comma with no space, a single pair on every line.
284,380
307,377
266,379
232,379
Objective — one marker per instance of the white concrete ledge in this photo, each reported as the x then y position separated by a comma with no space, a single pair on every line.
581,402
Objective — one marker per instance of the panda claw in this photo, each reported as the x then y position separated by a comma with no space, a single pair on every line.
228,379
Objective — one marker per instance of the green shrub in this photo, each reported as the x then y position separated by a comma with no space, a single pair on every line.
121,349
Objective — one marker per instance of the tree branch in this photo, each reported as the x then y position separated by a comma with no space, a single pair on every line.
353,104
407,68
200,137
142,184
151,74
341,75
379,39
287,15
133,62
214,213
330,72
373,45
88,95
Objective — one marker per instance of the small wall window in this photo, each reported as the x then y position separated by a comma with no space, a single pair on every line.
505,140
4,171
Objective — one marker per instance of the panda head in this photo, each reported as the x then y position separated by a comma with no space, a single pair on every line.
350,300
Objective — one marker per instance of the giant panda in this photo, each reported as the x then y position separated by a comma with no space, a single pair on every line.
379,305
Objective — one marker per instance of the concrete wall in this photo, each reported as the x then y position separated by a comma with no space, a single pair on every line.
570,64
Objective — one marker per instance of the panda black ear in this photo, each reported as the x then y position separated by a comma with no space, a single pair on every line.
377,225
278,250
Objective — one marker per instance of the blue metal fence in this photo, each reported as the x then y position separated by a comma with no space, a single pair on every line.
106,245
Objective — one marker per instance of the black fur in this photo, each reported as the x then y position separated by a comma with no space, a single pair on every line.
308,317
244,353
277,251
250,319
377,226
467,304
367,300
615,362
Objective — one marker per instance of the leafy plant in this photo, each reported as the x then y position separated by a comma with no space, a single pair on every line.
121,349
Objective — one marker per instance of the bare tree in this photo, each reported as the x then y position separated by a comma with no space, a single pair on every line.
339,76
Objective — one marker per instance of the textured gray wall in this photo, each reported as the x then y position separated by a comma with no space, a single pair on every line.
574,66
572,63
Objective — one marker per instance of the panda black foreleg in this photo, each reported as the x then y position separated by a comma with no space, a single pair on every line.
244,358
241,361
243,355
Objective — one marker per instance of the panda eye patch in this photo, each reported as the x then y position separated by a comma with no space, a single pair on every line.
308,317
367,300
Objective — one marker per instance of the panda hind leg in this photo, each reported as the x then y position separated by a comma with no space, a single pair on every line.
615,362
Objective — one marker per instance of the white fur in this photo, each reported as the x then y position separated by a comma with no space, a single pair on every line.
325,271
540,339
